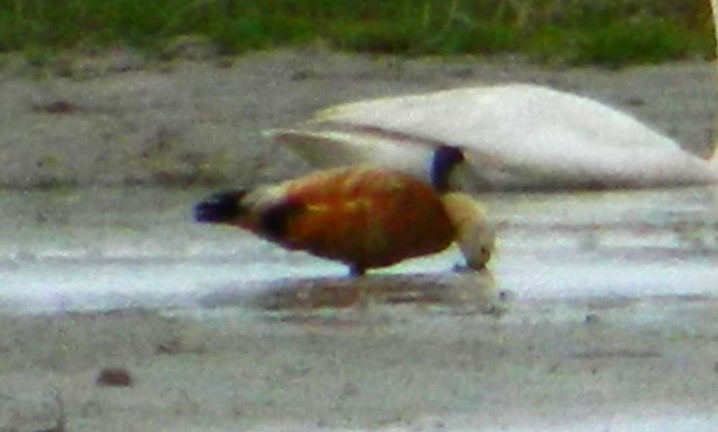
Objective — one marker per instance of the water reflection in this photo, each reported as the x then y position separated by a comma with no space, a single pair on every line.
466,290
105,248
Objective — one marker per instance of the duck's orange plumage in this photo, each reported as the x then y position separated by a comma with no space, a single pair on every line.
365,217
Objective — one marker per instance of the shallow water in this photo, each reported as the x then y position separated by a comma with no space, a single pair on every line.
611,325
116,248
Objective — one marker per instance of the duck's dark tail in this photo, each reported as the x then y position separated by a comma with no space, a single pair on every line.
231,207
222,207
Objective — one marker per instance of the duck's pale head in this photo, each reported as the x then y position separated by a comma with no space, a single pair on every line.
475,235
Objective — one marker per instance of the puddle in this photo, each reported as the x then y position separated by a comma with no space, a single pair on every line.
117,248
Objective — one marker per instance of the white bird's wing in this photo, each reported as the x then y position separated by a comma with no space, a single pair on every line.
516,136
526,136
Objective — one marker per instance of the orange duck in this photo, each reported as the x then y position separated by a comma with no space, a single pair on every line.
365,217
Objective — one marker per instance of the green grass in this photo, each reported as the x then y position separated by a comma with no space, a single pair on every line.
607,32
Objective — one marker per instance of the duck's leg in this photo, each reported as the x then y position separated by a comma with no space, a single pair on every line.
362,286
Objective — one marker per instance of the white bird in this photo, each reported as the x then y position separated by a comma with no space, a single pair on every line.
515,137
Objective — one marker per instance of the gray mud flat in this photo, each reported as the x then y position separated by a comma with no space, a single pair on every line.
608,323
200,122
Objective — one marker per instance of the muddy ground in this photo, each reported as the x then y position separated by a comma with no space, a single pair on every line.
606,362
118,120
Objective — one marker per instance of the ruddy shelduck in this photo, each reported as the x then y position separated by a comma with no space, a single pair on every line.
363,216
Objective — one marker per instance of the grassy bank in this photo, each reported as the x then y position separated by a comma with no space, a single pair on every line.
607,32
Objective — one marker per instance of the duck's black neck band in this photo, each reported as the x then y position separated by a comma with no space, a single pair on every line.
444,159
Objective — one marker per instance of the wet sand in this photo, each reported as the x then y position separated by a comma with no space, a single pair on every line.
634,351
609,364
606,322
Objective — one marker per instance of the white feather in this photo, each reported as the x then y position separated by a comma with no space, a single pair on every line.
516,136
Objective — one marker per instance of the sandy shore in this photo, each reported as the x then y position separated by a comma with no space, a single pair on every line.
422,364
543,366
